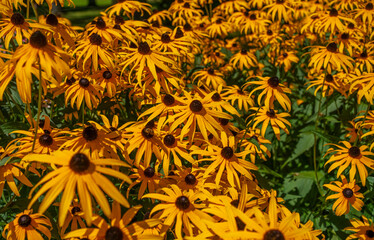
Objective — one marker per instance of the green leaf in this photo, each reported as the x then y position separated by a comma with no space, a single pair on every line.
324,136
305,142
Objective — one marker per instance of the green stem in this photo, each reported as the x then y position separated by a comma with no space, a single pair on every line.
39,106
247,127
35,12
28,9
315,165
83,105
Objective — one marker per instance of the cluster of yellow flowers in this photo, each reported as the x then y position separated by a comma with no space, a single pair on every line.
181,155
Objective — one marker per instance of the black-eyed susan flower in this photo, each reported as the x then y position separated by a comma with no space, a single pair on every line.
74,218
229,7
181,210
328,84
218,27
286,59
145,56
209,77
51,59
119,227
262,151
177,150
91,52
226,159
331,21
78,173
192,179
277,120
16,27
28,225
148,177
244,59
329,58
279,10
237,96
272,89
250,21
365,12
128,8
364,61
7,173
196,112
362,229
83,89
354,156
108,80
347,194
143,138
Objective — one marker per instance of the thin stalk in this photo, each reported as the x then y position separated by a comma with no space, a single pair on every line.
247,127
315,141
28,9
83,105
39,106
35,12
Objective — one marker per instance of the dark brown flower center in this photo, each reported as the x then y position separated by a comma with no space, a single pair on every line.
333,12
211,71
17,19
332,47
52,20
364,54
119,20
243,51
179,33
227,152
41,123
24,220
45,140
369,6
269,32
329,78
347,193
186,5
95,39
148,133
354,151
369,233
274,234
351,26
285,55
150,124
114,233
38,40
216,97
156,24
252,17
107,75
280,1
345,36
70,81
90,133
218,21
239,91
196,106
149,172
271,113
187,27
100,23
223,121
79,163
168,100
235,203
190,179
84,82
273,82
182,202
74,210
165,38
169,140
144,48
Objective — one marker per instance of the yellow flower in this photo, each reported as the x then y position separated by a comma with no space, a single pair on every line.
148,177
182,208
347,194
273,90
27,225
329,58
84,89
276,120
243,60
78,172
7,173
363,229
350,155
